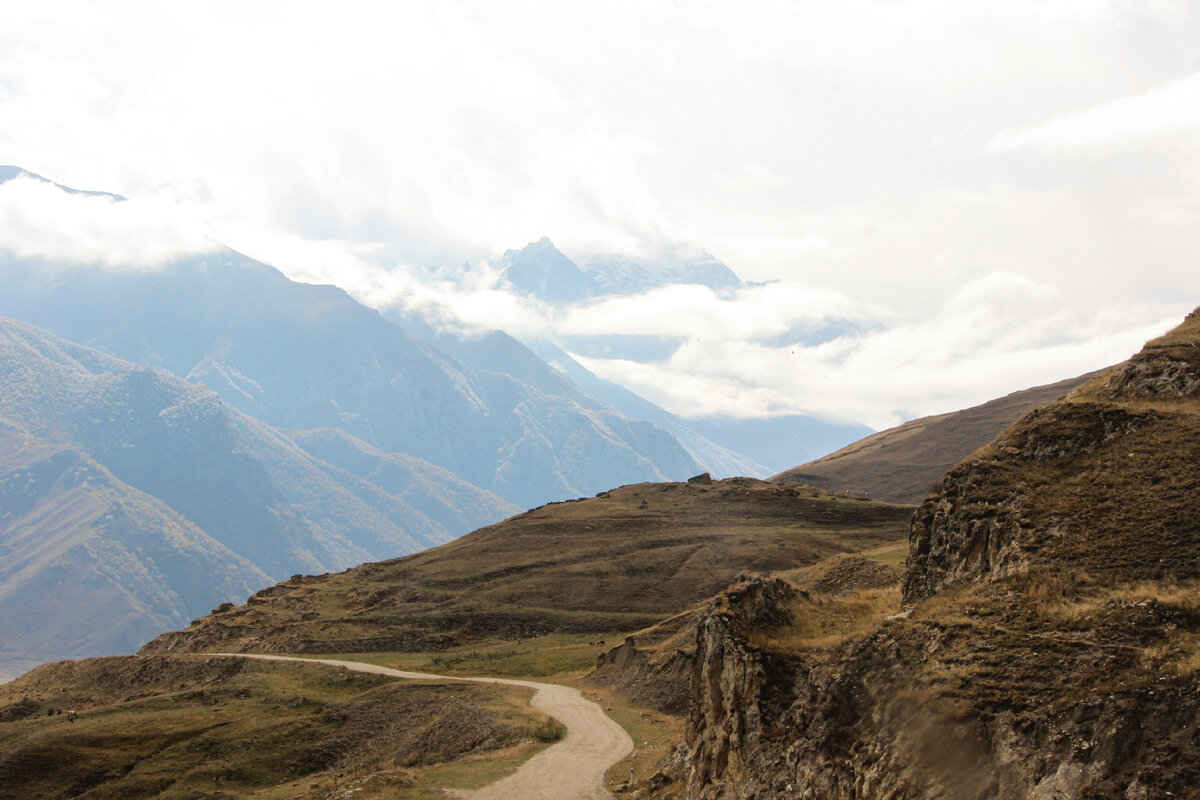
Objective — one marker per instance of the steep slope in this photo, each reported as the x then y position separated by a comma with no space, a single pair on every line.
133,501
1050,647
301,356
615,562
548,368
90,565
1104,481
901,464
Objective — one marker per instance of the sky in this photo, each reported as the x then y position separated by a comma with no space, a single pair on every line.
995,194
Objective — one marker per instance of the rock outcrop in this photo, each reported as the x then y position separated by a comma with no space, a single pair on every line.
732,680
653,667
959,708
1049,643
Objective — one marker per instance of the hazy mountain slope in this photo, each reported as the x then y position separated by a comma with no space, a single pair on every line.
615,562
613,274
9,172
546,367
498,357
725,462
234,478
191,503
778,441
437,493
539,270
1050,640
91,566
903,464
301,356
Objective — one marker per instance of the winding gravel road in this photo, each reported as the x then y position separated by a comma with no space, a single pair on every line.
571,769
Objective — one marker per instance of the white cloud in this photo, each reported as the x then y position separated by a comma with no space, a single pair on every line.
1127,123
998,334
753,312
40,220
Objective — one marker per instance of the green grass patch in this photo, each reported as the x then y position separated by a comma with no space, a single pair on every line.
552,656
892,554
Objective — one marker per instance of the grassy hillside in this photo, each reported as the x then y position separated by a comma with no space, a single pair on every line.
906,463
176,727
616,562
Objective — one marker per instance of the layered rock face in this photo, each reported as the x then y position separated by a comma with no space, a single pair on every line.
730,684
1103,480
1049,643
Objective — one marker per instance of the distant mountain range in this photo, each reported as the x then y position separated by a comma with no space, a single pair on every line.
235,418
302,356
725,446
540,270
210,411
126,483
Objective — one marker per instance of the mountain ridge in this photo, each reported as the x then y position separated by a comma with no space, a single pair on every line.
86,436
298,357
902,464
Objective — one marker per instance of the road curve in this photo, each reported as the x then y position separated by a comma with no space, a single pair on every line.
571,769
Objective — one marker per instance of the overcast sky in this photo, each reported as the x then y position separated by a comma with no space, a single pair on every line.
1004,193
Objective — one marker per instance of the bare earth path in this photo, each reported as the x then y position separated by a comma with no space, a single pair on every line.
571,769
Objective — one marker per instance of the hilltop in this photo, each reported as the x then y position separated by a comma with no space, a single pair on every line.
566,576
616,562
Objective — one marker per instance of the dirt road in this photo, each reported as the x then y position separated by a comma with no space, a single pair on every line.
571,769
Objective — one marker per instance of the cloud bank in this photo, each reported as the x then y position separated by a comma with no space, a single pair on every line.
992,194
751,352
40,220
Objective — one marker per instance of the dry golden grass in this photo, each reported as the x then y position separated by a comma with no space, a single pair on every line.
184,726
1074,598
828,623
901,464
617,562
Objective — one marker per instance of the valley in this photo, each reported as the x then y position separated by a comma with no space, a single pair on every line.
653,400
1009,637
993,603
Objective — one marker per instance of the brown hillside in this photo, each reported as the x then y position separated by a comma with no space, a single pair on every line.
1103,481
1050,642
616,562
900,465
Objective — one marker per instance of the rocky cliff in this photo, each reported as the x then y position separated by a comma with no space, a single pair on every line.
1049,642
